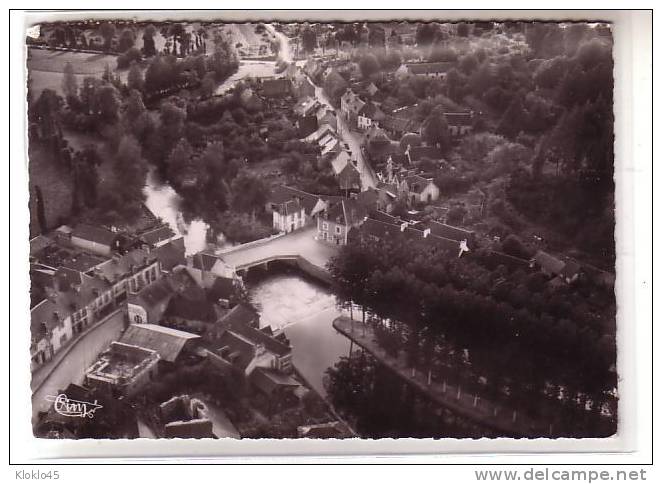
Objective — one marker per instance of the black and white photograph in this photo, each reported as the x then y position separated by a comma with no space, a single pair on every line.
321,229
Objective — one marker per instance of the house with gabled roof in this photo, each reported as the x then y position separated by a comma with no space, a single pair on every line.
350,105
98,240
334,86
302,87
334,223
349,178
168,343
417,189
157,236
327,116
237,339
415,154
306,106
148,304
368,115
460,124
276,88
564,269
450,232
436,70
170,254
289,216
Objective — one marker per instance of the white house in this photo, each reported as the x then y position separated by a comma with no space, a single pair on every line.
417,189
289,216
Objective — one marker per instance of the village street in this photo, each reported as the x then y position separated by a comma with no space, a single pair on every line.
351,138
353,141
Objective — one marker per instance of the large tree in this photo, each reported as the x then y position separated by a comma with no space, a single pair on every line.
135,79
127,40
435,130
149,47
249,193
107,31
69,82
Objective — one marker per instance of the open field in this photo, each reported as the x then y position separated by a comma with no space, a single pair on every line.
46,68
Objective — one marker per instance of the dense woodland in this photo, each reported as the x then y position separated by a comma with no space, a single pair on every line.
543,349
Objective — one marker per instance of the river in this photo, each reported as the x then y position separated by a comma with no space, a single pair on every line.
304,309
164,202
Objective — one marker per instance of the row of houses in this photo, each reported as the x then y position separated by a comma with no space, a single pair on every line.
81,274
163,335
366,108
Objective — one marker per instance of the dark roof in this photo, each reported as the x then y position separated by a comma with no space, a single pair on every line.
65,302
508,260
191,309
346,212
548,262
289,207
438,243
385,217
156,235
117,267
241,314
571,268
239,321
450,232
417,153
395,124
334,84
369,110
154,293
171,254
67,278
268,380
222,288
429,67
380,151
167,342
306,125
349,177
417,183
383,229
282,194
203,261
459,119
368,198
379,229
256,336
96,234
276,87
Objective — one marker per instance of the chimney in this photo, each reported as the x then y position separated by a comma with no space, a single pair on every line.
403,226
426,232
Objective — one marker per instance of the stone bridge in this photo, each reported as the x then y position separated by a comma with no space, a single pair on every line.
299,247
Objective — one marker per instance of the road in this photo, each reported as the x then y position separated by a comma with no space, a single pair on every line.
81,353
351,138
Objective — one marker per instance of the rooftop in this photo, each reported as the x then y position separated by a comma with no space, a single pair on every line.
167,342
121,362
100,235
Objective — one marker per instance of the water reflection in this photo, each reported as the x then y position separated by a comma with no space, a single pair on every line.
305,310
165,202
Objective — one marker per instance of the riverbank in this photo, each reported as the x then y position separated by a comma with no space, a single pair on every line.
507,421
